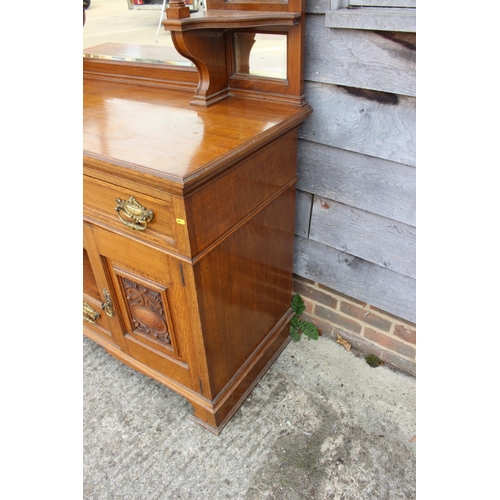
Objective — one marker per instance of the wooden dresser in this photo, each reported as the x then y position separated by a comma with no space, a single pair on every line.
189,195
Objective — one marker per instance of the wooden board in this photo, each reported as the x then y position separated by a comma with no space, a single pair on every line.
388,19
373,123
379,240
364,59
355,277
183,150
303,207
317,7
356,204
383,3
372,184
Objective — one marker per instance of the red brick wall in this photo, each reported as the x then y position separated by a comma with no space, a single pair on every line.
367,328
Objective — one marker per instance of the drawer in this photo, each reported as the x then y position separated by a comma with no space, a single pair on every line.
135,214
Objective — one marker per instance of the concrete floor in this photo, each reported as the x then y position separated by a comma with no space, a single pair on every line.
322,424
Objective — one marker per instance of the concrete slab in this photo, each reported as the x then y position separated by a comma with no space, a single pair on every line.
321,424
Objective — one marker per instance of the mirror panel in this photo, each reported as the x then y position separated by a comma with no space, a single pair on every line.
112,22
124,30
261,54
148,54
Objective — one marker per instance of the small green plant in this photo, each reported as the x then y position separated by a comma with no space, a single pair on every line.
299,326
373,361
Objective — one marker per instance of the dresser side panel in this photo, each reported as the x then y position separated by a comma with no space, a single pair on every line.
244,289
218,206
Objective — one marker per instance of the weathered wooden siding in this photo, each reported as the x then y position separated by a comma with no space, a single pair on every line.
356,277
373,123
376,239
383,3
355,226
379,186
360,59
373,19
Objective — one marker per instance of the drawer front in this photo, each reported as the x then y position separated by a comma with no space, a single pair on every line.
135,214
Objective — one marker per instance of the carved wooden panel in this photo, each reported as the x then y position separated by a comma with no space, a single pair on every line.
148,311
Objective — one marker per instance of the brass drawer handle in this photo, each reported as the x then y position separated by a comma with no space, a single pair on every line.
132,214
90,314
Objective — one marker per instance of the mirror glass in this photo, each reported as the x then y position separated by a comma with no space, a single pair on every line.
125,30
261,54
131,30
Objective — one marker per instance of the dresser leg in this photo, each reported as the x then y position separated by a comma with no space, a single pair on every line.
217,414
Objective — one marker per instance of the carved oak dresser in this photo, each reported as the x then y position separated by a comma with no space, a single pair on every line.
189,195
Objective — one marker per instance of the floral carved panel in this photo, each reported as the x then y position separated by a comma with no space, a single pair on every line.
148,312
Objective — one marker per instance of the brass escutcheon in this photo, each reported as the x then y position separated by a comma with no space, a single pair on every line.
107,306
89,314
133,214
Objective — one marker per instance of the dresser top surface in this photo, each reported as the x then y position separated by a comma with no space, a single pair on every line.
157,131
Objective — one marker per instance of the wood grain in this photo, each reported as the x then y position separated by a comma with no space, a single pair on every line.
356,58
100,200
357,154
380,125
148,74
383,3
379,240
182,145
244,287
317,7
389,19
372,184
355,277
243,188
121,256
303,207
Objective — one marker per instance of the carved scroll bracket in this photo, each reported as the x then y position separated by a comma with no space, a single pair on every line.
206,40
207,50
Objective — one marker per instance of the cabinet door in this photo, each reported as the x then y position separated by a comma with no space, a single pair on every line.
99,320
152,301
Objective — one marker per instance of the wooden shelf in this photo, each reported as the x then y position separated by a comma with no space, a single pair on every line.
225,19
207,40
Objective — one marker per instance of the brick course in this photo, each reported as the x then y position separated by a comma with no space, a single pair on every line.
369,329
389,343
406,333
314,294
366,316
338,319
